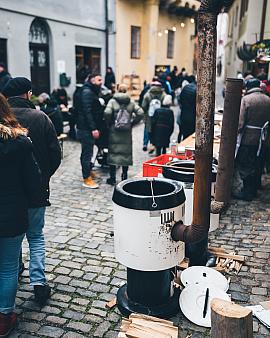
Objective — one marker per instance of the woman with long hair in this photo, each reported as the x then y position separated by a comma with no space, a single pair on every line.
20,183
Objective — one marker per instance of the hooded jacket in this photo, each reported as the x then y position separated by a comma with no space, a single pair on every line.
20,182
155,92
47,150
120,142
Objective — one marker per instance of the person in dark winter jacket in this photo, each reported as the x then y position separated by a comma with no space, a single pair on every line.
4,76
90,118
60,97
163,125
187,103
47,153
120,140
20,184
50,108
155,93
109,78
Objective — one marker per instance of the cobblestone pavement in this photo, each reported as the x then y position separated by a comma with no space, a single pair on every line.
84,274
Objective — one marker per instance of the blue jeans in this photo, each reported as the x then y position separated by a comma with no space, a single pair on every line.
87,142
145,137
35,238
10,248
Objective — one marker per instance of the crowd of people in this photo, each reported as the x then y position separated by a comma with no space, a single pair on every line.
30,153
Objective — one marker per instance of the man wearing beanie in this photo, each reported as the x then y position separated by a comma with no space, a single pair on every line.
48,156
252,130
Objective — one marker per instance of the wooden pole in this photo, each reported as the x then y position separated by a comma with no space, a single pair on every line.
229,320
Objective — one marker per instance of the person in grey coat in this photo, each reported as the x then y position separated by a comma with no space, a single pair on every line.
120,140
252,133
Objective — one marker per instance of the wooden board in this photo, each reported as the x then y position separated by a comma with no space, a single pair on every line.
143,326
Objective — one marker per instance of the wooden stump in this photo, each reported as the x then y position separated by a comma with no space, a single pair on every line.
229,320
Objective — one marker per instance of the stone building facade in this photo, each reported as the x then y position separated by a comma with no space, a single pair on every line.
43,39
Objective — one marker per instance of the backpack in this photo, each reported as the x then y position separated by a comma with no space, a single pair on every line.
123,119
154,104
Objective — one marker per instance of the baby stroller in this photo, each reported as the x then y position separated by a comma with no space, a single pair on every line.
102,144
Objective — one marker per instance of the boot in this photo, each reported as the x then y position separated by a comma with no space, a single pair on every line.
7,323
124,175
112,179
42,294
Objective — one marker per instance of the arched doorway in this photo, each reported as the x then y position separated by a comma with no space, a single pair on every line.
39,56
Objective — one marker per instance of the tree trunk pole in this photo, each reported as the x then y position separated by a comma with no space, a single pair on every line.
229,320
205,110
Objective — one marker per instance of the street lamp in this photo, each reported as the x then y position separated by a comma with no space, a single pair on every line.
182,25
174,28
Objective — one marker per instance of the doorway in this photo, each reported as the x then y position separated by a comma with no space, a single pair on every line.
39,57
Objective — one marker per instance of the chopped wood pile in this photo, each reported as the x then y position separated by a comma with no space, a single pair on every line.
142,326
227,262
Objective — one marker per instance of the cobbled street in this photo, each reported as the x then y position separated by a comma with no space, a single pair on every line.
84,274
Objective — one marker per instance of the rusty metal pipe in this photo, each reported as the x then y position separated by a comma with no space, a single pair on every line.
233,94
207,35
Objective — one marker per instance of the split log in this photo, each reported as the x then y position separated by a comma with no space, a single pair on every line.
229,320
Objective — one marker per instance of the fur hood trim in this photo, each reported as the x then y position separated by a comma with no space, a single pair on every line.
8,132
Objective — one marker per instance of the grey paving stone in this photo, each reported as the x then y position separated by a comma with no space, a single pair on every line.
73,315
51,331
80,326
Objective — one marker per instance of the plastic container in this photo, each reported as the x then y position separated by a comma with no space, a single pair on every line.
152,171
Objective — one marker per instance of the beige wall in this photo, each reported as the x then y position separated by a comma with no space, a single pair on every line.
128,13
183,46
247,31
145,13
267,23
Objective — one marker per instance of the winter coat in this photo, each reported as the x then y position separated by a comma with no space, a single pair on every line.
109,80
4,77
255,111
187,103
47,150
120,141
162,126
155,92
20,182
90,114
50,108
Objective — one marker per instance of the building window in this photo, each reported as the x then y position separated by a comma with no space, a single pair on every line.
170,45
3,51
135,42
87,61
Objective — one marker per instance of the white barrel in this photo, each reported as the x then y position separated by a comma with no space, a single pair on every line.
142,233
186,178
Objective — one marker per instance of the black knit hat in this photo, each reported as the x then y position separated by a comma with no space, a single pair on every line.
17,86
253,83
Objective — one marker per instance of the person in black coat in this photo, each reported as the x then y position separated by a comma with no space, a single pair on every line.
109,78
20,185
47,152
50,108
187,103
163,125
4,76
90,119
